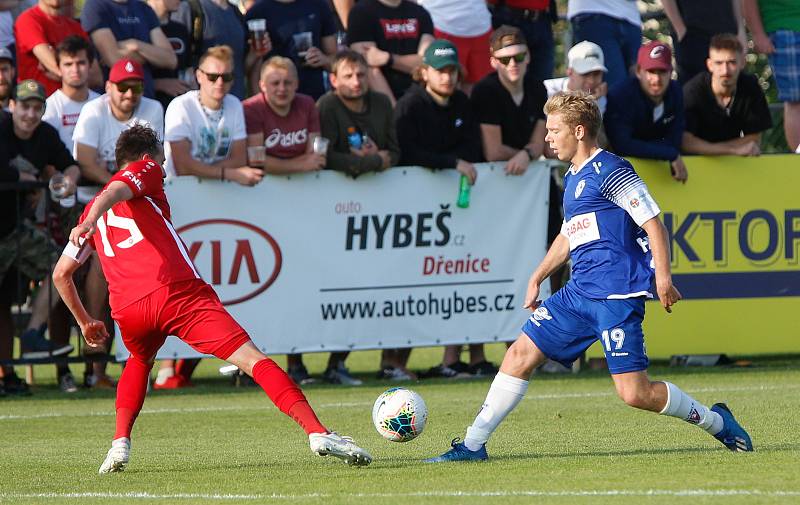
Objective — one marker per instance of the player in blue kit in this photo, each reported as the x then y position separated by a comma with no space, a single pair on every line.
617,243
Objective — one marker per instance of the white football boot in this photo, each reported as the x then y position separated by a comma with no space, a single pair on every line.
324,444
117,456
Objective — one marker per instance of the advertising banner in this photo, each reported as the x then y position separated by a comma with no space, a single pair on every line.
323,262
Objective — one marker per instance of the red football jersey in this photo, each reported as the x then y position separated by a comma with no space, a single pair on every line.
139,249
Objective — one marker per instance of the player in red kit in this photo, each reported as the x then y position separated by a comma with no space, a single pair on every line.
155,291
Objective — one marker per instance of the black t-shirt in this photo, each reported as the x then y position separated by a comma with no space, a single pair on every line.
705,118
284,21
708,16
493,105
178,37
397,30
42,149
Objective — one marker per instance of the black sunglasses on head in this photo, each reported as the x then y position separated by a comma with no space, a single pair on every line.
505,60
227,77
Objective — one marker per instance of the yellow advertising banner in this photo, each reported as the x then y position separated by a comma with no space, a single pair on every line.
734,229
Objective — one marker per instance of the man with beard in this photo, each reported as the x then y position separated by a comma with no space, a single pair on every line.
353,107
645,117
104,118
726,111
7,75
436,129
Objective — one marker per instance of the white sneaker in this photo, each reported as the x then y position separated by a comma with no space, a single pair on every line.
117,456
324,444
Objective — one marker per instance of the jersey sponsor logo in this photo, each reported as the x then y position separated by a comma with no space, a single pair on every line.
579,188
540,314
239,259
581,229
133,178
400,28
288,139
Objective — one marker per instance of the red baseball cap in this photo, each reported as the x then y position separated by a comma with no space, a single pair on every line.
655,56
124,70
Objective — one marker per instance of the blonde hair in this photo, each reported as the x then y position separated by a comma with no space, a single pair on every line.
281,63
576,108
222,53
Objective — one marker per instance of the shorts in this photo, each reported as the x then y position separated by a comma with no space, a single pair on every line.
785,63
30,250
190,310
567,323
473,54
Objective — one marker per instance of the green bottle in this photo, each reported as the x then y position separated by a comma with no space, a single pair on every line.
463,192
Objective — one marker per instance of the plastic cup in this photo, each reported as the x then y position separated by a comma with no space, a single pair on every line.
256,155
59,187
302,43
258,30
320,145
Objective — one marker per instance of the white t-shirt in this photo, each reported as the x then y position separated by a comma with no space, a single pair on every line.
62,113
98,128
553,86
211,133
626,10
462,18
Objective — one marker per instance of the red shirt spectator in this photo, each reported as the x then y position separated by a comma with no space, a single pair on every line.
41,26
284,136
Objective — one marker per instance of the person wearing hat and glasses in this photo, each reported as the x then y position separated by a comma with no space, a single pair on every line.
586,71
436,128
104,118
645,116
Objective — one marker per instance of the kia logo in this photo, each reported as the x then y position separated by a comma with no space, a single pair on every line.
238,259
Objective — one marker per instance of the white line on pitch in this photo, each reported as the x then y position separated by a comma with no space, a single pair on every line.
267,406
437,494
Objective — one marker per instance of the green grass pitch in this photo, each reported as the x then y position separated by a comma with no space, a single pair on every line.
570,441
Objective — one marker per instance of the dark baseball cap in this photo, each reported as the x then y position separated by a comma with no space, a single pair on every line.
5,54
655,56
441,53
29,89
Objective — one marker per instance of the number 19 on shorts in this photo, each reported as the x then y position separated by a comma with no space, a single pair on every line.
617,336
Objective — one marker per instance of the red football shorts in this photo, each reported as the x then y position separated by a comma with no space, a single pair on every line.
473,54
190,310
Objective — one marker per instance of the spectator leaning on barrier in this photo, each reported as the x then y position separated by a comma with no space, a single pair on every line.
436,129
353,109
283,121
304,31
586,71
392,35
30,149
775,26
645,116
7,76
205,136
468,25
104,118
726,110
129,29
535,19
74,56
38,31
615,26
693,25
172,82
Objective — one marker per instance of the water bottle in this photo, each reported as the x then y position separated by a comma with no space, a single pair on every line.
464,188
354,137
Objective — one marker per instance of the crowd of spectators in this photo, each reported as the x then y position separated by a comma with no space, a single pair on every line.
237,90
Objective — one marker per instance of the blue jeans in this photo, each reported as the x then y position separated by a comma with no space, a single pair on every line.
539,36
619,40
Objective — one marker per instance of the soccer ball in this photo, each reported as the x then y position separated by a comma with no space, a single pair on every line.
399,415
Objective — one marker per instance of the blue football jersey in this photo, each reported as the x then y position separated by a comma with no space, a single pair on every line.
605,203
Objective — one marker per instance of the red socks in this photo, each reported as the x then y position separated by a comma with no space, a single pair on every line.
285,394
131,390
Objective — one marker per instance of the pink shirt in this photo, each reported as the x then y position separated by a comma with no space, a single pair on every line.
284,137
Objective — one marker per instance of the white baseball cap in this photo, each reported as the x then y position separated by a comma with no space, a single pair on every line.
585,57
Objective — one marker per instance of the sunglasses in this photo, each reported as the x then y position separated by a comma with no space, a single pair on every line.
226,78
505,60
137,88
